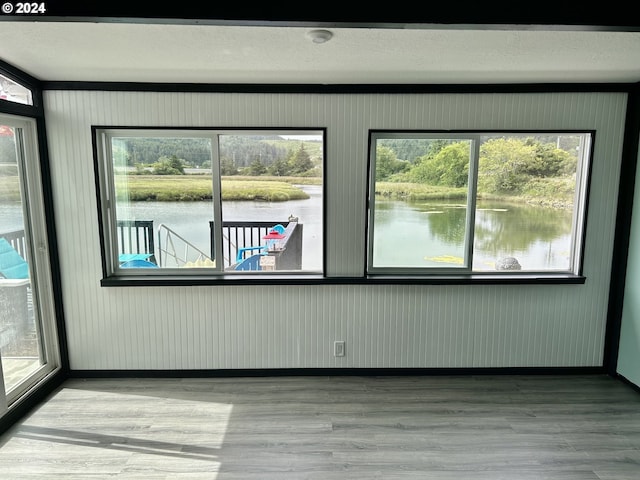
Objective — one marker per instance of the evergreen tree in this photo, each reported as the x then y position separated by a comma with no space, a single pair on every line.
280,168
549,161
301,161
257,168
227,167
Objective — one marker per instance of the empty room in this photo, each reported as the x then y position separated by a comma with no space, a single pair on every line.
318,246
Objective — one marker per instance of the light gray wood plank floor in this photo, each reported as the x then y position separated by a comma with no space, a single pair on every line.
326,428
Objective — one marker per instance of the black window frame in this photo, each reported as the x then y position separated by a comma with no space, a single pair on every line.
113,276
467,275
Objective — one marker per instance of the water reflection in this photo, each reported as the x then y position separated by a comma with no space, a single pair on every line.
515,228
422,234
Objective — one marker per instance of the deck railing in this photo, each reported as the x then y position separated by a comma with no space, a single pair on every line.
239,237
176,251
17,240
137,236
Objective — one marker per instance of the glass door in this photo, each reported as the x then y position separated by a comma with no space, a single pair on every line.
28,346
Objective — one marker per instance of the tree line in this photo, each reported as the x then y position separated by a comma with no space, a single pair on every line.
295,163
239,155
506,164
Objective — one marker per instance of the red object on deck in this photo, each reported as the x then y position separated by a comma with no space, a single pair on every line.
273,234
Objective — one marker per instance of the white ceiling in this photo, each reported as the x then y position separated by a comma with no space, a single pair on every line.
136,52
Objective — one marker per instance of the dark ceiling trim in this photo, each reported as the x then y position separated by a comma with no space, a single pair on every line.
474,16
28,81
338,88
406,25
19,76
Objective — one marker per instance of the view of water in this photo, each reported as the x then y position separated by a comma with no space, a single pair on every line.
431,234
191,219
410,234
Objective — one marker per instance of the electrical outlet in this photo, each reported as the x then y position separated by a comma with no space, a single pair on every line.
338,348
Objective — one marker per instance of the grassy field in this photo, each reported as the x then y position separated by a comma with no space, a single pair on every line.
544,192
417,191
267,178
199,187
190,188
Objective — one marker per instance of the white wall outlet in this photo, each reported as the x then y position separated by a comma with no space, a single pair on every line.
338,348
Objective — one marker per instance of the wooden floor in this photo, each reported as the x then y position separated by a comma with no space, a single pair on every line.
326,428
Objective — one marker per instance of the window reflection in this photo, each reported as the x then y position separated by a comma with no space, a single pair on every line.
14,92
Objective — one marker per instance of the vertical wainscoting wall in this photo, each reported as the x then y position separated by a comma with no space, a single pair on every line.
279,326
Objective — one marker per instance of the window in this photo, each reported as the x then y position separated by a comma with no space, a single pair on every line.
28,338
461,203
192,202
14,92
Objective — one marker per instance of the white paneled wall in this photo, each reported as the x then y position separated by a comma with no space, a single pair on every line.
417,326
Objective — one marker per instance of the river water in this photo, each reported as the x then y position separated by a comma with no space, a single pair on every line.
409,234
191,219
431,234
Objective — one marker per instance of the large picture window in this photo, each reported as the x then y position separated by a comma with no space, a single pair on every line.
191,202
481,202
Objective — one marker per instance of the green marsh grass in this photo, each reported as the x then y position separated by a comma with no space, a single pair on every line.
419,191
543,192
187,188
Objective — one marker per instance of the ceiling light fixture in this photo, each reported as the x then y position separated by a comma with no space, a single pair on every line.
320,36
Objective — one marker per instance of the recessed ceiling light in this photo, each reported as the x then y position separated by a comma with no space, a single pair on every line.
320,36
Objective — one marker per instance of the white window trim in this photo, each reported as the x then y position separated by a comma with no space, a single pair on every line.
39,262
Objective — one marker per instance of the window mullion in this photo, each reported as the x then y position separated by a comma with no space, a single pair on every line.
217,202
474,159
109,207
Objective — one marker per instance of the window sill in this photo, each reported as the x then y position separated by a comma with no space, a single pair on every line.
245,280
